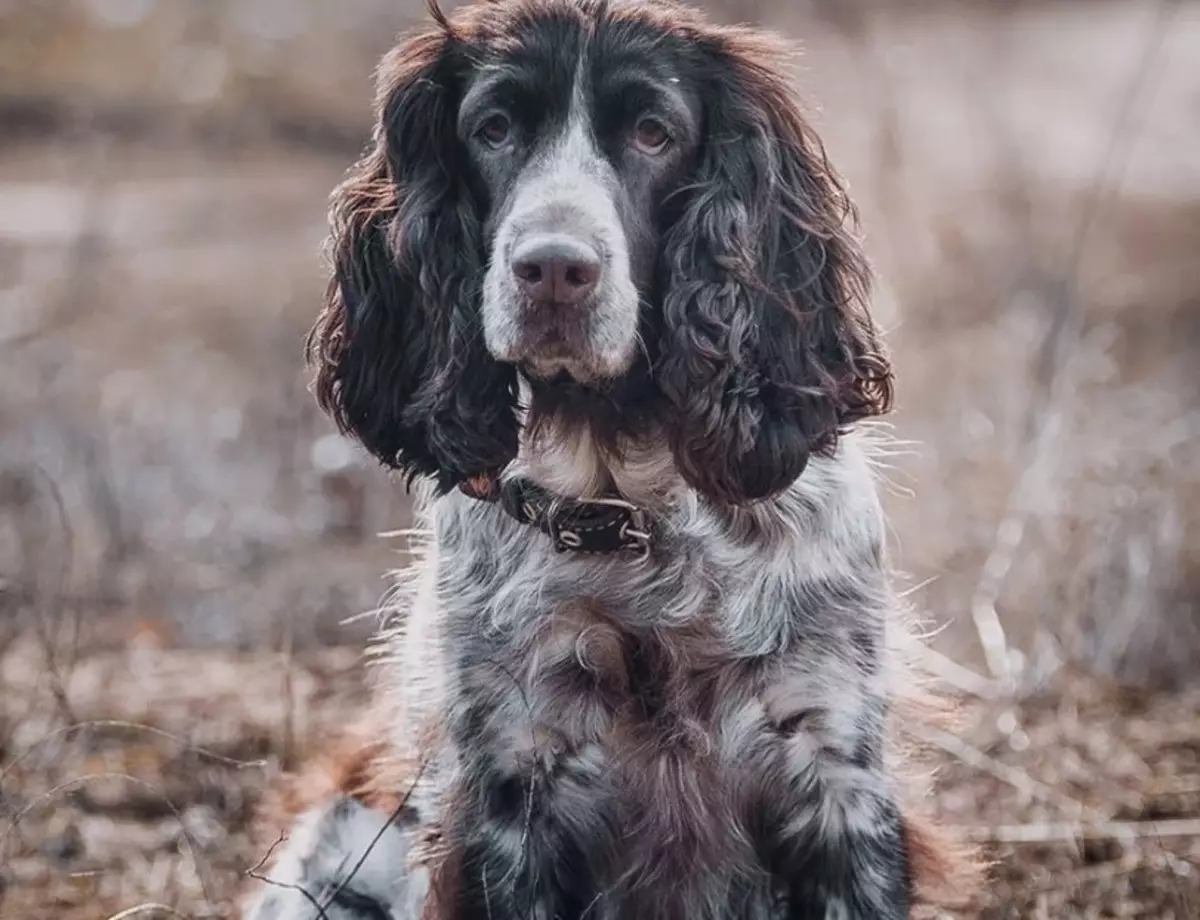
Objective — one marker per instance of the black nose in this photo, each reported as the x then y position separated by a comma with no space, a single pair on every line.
555,269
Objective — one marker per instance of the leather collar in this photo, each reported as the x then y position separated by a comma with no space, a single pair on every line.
579,525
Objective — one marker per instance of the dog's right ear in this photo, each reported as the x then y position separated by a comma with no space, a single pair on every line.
398,349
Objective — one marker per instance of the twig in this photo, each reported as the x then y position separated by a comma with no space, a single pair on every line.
255,872
1013,776
1061,339
290,886
148,908
257,867
1064,831
1099,823
118,723
1010,533
192,847
961,678
288,753
48,622
396,812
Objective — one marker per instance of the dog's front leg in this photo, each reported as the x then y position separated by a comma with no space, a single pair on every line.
840,851
531,821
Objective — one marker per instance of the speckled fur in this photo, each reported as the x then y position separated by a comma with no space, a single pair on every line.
707,732
700,734
696,735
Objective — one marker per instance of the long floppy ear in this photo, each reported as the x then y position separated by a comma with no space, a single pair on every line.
768,349
400,362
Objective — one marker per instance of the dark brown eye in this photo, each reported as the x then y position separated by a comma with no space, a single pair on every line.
496,130
651,136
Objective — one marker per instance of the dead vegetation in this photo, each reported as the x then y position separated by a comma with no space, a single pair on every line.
140,787
181,536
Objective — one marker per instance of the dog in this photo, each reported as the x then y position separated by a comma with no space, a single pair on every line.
597,295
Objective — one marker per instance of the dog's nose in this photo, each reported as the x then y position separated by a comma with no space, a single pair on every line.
556,269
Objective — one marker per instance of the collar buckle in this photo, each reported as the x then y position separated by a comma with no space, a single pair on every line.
635,530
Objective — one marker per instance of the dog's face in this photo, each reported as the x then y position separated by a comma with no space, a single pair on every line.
622,204
573,168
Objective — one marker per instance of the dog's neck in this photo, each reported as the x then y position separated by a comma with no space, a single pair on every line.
565,457
569,461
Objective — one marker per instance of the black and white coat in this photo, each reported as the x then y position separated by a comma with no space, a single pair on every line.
700,732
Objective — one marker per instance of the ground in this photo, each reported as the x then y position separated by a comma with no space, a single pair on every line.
149,799
183,537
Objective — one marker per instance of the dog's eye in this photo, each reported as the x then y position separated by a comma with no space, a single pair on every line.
496,130
651,136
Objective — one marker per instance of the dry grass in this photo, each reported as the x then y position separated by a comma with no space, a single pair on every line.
180,537
144,794
1088,795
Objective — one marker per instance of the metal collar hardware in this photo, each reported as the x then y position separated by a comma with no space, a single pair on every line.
581,525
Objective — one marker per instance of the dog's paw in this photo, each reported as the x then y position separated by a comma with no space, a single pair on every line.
342,862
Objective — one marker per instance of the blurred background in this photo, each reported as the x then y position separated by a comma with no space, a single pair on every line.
183,537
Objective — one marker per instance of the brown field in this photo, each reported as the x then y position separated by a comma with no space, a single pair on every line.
182,537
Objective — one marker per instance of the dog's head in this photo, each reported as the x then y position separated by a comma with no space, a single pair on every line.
622,204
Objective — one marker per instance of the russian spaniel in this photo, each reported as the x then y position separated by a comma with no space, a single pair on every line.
596,291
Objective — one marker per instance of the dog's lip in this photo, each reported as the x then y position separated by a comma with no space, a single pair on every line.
556,361
543,326
549,334
564,372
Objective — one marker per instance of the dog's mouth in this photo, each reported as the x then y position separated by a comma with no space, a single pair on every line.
549,345
562,367
553,332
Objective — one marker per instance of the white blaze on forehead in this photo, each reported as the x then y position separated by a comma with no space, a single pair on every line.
570,172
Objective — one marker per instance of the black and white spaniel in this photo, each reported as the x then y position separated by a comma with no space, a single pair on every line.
595,290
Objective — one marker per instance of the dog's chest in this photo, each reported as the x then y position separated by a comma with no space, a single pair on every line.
597,679
672,725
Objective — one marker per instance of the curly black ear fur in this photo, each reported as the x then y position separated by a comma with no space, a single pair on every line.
768,349
400,360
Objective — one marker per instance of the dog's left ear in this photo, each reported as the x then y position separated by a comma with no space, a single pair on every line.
768,349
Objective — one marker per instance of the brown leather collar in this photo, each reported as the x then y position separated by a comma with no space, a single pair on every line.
578,525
